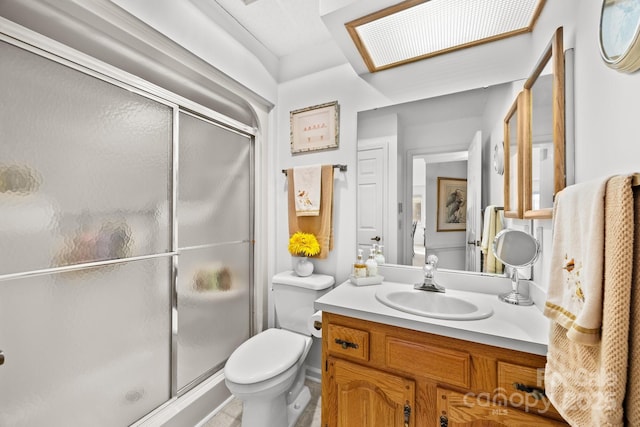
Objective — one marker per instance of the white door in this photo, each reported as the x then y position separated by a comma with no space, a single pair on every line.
474,208
371,206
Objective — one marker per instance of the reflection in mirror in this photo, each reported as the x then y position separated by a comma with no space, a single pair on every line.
513,130
431,139
542,152
426,239
517,249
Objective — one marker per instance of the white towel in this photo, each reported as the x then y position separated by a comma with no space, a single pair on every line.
574,298
493,224
307,189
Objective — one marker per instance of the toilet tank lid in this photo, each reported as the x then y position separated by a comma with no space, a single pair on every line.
315,282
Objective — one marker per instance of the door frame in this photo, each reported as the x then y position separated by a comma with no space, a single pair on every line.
407,214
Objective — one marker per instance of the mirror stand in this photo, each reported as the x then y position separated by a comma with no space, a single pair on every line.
515,297
516,249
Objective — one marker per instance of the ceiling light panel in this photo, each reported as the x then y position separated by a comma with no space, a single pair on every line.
415,30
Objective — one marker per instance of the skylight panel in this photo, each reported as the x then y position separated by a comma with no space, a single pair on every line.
415,30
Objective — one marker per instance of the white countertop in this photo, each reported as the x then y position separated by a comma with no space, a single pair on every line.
522,328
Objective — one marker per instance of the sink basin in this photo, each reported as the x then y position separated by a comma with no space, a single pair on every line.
433,304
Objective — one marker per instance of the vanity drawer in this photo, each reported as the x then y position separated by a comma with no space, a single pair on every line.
441,364
349,342
523,387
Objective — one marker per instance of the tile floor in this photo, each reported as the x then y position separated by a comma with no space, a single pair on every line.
231,414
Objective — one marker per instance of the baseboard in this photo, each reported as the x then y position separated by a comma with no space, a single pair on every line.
314,374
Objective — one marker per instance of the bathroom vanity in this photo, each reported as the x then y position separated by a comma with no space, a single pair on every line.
387,367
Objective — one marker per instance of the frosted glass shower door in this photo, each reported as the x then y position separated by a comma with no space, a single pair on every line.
215,254
85,247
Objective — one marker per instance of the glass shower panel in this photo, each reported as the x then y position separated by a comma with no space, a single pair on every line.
84,167
213,307
213,184
87,347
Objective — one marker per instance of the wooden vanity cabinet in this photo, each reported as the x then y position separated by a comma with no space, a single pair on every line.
376,375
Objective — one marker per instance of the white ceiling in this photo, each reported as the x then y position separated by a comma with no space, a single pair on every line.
284,27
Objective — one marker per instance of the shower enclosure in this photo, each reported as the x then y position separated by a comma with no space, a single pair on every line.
125,244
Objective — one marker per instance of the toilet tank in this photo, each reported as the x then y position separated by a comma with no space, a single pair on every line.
294,296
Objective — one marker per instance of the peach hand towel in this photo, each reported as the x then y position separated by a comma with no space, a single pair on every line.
322,225
493,224
632,397
587,383
307,187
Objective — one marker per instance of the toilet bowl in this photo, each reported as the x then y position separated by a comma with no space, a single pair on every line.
266,371
263,373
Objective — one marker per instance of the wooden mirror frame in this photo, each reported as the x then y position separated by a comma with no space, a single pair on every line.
517,111
553,52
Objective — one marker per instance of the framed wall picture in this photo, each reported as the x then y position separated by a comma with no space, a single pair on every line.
452,204
315,128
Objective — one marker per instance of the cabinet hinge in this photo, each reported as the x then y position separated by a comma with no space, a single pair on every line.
444,421
407,414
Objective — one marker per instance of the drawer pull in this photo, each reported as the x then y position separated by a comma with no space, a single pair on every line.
346,344
537,393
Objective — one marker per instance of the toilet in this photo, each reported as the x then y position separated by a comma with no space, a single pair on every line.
265,372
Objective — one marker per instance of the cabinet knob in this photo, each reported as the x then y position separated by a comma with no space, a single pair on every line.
1,358
346,344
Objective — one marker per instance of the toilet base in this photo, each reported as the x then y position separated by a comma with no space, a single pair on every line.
295,408
276,412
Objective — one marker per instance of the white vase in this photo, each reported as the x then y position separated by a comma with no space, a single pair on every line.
303,267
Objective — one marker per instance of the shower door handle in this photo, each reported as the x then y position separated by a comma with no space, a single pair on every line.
1,358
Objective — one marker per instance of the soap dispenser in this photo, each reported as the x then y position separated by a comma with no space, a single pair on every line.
379,256
359,267
372,265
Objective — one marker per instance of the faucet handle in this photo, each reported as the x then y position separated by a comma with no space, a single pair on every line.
432,260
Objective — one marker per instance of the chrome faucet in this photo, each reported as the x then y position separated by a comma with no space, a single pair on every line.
429,284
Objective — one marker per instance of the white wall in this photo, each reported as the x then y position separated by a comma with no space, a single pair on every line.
607,106
353,94
605,114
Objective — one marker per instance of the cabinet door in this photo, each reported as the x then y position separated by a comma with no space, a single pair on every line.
364,397
457,410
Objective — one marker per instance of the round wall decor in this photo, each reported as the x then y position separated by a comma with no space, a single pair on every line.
619,40
498,158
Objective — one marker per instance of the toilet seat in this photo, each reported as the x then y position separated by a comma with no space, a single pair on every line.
264,356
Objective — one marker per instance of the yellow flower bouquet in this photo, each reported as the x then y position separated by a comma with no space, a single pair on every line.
303,244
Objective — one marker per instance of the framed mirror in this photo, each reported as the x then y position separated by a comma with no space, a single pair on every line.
544,171
514,122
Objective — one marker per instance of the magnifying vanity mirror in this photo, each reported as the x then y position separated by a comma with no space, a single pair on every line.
516,249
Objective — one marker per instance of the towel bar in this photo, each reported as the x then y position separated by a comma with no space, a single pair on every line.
343,168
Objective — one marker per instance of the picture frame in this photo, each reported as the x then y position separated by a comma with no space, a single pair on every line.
315,128
452,204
